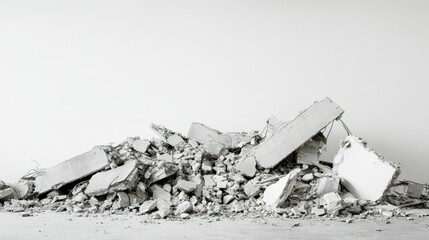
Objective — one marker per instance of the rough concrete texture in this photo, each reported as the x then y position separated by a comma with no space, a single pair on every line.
276,194
204,135
366,174
292,135
140,145
71,170
120,178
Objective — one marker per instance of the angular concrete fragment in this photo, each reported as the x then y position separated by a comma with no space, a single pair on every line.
6,194
214,149
415,190
332,201
148,206
247,166
186,186
175,140
292,135
160,194
311,150
184,207
118,179
71,170
204,135
366,174
276,194
22,189
140,145
327,185
159,173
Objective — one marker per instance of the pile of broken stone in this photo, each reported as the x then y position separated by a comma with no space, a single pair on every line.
208,173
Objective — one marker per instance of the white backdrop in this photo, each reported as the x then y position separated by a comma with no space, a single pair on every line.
75,74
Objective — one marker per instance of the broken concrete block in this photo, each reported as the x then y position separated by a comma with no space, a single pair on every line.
148,206
71,170
366,174
160,194
6,194
118,179
186,186
202,133
23,189
251,189
273,150
123,200
318,211
140,145
247,166
208,181
214,149
327,185
184,207
276,194
159,173
307,177
199,182
175,140
332,201
415,190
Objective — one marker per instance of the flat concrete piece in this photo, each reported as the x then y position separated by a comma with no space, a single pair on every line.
291,136
71,170
366,174
118,179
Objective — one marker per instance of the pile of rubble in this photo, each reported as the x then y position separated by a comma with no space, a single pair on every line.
209,173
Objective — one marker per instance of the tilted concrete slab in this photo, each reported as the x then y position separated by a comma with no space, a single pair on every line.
71,170
118,179
206,135
366,174
291,136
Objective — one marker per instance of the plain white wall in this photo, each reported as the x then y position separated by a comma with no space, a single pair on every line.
75,74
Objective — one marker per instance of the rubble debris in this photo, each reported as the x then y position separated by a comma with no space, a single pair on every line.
71,170
276,194
210,174
366,174
291,136
118,179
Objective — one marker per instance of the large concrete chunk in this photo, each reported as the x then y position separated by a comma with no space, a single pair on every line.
71,170
292,135
276,194
118,179
366,174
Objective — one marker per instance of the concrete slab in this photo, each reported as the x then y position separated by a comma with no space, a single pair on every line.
118,179
365,173
291,136
71,170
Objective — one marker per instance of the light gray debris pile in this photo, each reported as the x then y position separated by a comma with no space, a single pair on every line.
209,173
